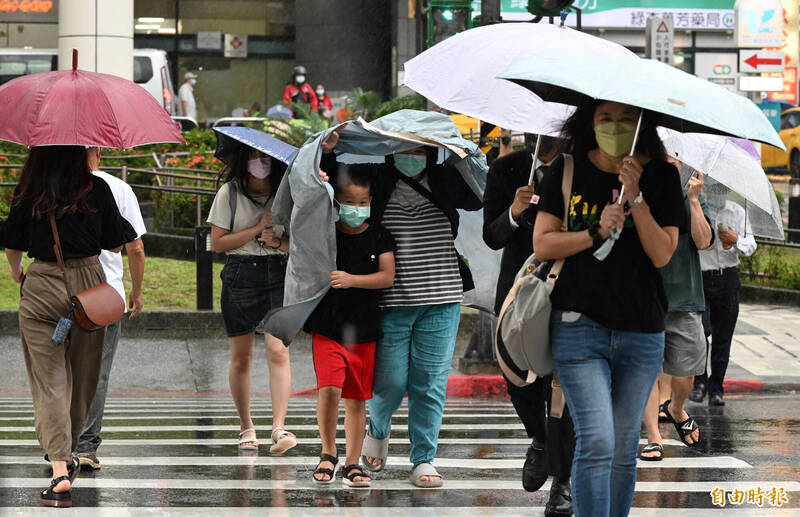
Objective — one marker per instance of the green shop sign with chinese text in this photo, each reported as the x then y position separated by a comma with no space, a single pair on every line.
627,14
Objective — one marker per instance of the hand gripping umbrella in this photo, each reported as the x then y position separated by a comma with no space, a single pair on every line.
75,107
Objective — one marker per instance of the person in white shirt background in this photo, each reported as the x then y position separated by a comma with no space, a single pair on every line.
720,266
128,206
186,96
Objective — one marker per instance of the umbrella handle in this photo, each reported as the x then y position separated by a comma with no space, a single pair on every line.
535,156
74,59
633,148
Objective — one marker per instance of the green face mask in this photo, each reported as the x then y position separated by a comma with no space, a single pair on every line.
410,164
615,138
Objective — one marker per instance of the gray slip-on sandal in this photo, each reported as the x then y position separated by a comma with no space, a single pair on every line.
425,469
374,448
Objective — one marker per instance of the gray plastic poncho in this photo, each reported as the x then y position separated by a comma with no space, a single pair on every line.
305,203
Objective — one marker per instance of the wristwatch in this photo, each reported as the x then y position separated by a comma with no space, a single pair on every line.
638,200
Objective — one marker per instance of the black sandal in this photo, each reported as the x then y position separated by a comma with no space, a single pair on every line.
652,447
330,472
684,428
353,471
662,413
73,469
58,499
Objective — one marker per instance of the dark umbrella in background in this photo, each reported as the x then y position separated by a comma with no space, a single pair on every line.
231,138
76,107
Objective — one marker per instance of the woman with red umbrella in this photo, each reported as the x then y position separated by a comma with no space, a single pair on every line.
56,182
58,196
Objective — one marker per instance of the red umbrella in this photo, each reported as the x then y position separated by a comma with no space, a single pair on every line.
75,107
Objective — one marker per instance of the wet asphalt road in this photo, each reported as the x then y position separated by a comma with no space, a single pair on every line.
175,455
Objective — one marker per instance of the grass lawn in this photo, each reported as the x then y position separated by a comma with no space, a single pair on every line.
168,284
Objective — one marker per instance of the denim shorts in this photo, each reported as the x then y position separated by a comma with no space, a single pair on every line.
251,287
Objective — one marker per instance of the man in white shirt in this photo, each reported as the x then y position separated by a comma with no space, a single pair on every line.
721,287
186,96
128,206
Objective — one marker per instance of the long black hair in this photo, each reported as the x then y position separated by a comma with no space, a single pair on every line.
578,132
55,180
237,171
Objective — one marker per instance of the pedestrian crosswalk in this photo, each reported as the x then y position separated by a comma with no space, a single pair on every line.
176,455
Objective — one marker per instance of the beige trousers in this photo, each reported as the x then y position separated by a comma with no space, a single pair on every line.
62,379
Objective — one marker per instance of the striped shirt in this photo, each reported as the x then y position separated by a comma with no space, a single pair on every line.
426,263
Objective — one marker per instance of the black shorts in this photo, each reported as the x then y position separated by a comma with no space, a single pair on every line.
251,287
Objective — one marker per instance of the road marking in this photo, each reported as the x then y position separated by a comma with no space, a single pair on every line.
384,511
302,427
712,462
307,484
176,442
207,415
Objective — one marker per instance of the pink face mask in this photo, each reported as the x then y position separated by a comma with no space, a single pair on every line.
259,167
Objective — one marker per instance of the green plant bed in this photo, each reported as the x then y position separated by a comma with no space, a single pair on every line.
772,266
168,285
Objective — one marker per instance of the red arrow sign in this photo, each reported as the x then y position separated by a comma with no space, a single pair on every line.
755,61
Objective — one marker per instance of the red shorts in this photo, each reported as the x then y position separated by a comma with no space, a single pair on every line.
349,367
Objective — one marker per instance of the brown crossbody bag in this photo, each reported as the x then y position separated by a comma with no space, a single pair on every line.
95,307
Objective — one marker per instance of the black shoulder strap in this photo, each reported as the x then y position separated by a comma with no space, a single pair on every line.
232,195
422,191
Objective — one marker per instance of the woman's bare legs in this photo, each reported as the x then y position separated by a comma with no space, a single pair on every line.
239,380
280,379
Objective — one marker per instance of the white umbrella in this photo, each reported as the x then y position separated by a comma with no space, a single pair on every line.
459,73
725,161
732,172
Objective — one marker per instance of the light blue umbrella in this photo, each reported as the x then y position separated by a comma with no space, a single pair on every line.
229,139
686,103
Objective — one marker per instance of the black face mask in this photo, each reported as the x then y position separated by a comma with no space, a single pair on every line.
547,146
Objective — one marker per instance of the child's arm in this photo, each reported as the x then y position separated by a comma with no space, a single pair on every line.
382,279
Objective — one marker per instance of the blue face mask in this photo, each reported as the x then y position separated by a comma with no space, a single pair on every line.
353,216
410,164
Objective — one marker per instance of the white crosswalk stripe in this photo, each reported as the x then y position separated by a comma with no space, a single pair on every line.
179,451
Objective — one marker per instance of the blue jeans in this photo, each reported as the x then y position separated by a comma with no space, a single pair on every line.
414,355
606,376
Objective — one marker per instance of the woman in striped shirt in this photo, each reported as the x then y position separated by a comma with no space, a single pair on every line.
417,201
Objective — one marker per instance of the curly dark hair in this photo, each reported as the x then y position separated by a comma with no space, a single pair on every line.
55,180
578,132
237,171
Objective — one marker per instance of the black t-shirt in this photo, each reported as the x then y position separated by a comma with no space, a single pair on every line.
81,234
350,316
623,292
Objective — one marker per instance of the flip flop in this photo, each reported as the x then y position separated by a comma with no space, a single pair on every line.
374,448
425,469
684,428
282,441
652,447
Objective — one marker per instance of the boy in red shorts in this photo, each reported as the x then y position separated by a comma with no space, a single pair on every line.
346,325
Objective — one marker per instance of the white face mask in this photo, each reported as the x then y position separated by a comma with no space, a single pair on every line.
259,167
300,79
320,93
193,81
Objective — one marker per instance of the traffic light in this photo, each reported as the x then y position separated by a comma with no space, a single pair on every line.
446,18
548,7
